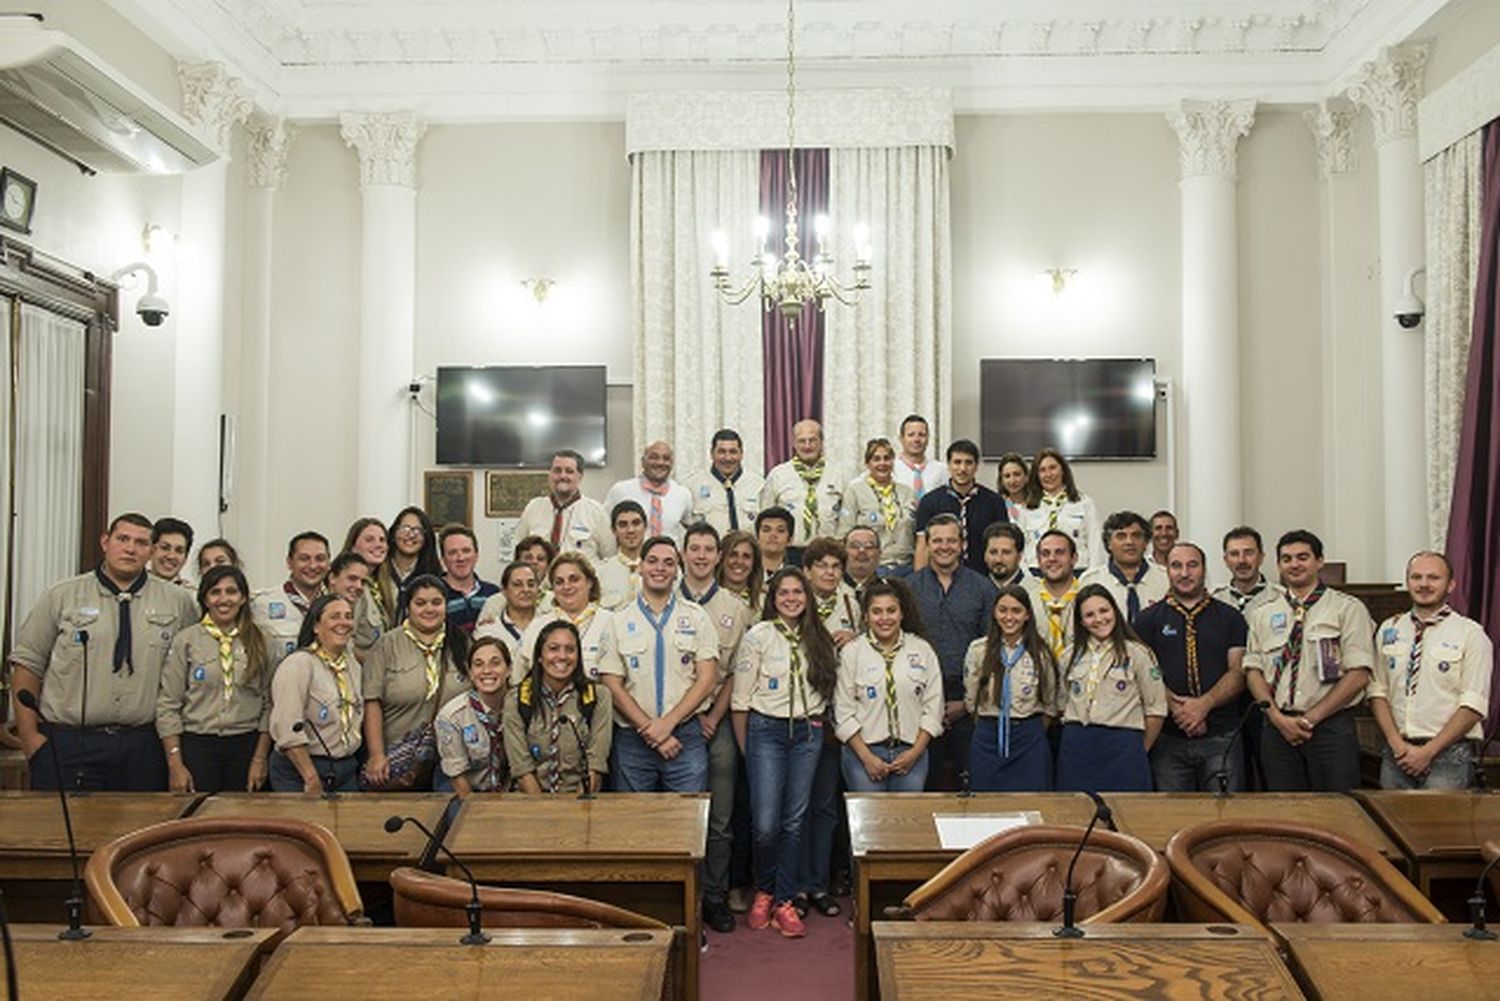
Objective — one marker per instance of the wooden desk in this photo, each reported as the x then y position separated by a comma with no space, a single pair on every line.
356,819
637,850
399,964
1155,816
941,960
164,964
1440,832
895,845
1391,962
34,842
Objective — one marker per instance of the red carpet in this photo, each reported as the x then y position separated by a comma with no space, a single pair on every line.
754,965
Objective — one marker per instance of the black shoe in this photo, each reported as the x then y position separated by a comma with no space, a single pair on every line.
825,905
841,885
718,917
799,902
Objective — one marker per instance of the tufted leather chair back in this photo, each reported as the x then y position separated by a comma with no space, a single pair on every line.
225,873
1264,872
1490,851
1019,876
425,900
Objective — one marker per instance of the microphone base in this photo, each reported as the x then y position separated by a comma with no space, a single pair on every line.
966,794
1479,934
79,934
1067,931
475,938
588,794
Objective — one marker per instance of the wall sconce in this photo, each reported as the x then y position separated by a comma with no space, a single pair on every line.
1058,278
157,239
538,287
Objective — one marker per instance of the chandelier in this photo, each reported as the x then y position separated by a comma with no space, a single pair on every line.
790,282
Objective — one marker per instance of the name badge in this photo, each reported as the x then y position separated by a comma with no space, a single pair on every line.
705,491
471,734
276,610
200,673
915,660
1278,621
1389,635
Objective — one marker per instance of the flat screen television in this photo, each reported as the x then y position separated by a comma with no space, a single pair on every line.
1092,408
512,415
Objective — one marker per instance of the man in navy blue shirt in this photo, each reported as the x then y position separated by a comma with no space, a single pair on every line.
1199,643
976,506
956,605
466,592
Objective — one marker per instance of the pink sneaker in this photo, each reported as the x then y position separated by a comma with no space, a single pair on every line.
788,922
760,911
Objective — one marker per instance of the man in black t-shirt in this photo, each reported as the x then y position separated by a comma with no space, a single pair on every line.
976,506
1199,644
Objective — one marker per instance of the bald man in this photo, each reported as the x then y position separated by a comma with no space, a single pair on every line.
667,503
807,487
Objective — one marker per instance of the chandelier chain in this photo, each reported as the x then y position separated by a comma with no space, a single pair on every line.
791,102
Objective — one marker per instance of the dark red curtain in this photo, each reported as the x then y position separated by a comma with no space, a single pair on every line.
793,387
1474,523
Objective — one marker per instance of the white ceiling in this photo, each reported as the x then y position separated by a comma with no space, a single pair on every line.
510,59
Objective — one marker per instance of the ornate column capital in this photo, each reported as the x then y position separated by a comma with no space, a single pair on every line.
213,101
268,140
1208,133
1332,124
387,146
1390,85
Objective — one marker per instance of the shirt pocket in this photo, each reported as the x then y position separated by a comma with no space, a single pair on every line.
72,632
634,651
163,626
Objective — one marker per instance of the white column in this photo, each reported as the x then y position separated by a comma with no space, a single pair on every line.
214,102
1390,87
387,146
1208,134
268,141
1353,525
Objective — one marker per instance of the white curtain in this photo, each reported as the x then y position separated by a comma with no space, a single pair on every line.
49,454
892,354
698,362
1453,205
5,397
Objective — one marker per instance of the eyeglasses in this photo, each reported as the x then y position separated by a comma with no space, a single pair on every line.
409,530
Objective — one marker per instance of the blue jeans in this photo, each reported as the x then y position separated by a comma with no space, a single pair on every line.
822,820
1453,768
858,780
780,759
1191,764
634,767
285,777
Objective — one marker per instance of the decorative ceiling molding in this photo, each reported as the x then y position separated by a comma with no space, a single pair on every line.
461,60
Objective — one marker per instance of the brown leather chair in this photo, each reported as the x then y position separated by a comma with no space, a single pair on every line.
1019,876
1256,872
230,872
425,900
1491,851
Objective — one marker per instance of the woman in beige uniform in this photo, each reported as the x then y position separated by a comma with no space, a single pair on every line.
470,732
375,611
558,724
877,501
410,673
316,708
215,701
739,572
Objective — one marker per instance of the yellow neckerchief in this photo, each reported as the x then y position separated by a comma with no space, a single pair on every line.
1056,633
1097,650
1053,505
340,667
826,606
811,475
892,708
375,593
432,653
584,617
795,679
226,652
890,510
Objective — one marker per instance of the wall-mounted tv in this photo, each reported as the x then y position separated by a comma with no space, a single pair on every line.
1093,408
512,415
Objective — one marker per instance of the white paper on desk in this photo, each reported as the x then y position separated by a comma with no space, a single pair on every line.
960,832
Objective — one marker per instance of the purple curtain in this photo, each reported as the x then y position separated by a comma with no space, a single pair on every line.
793,387
1474,523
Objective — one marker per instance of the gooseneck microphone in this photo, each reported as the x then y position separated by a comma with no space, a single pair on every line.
1477,928
74,903
1069,927
83,708
12,979
328,778
476,934
585,787
1222,775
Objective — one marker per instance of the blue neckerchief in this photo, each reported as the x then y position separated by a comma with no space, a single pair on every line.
708,595
1132,599
728,483
661,645
1008,661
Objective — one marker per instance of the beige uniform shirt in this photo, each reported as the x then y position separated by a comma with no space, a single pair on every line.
463,744
495,621
304,688
711,500
860,507
51,645
592,634
659,668
1097,691
395,675
193,697
763,679
1152,588
530,749
731,617
860,702
279,618
1454,673
1032,687
1057,632
1079,519
785,488
619,582
585,525
842,613
369,621
1337,636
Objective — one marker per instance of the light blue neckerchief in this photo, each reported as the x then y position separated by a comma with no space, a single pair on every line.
1008,660
661,645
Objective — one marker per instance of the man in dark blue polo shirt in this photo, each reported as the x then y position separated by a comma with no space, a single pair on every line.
956,605
1200,646
466,592
976,506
